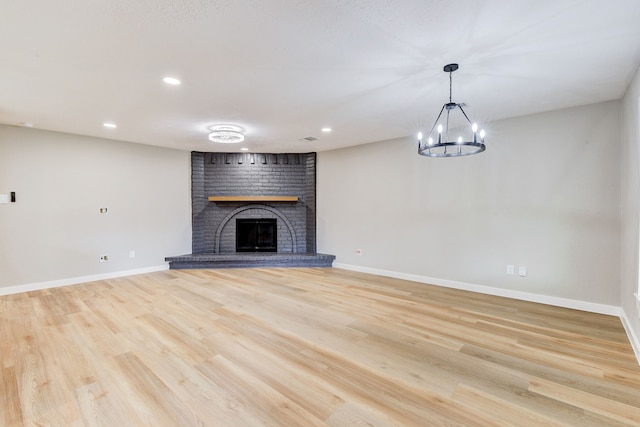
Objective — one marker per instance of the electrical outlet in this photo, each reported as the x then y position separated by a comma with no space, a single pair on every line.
511,270
522,271
132,254
104,258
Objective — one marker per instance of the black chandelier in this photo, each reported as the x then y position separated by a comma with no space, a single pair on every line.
440,146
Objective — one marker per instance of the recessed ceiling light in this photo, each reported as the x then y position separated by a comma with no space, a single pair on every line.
244,149
326,129
171,81
109,125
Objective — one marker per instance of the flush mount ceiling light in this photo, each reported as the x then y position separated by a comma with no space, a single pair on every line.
109,125
464,145
226,134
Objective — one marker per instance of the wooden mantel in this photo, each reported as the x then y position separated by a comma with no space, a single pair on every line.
253,198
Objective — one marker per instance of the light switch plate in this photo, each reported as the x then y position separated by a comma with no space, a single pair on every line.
4,198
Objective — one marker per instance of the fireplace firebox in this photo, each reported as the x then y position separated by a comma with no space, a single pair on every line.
256,235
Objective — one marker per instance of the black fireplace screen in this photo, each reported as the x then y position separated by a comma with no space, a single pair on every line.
256,235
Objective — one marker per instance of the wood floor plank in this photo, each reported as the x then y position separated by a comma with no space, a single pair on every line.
504,410
611,409
306,347
99,409
10,407
302,385
161,405
272,407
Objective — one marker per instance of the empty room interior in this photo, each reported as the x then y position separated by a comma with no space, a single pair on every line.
320,213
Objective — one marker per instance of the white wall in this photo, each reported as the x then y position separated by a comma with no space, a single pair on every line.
54,232
630,174
545,195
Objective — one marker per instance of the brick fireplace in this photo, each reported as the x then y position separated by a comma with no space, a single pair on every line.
231,187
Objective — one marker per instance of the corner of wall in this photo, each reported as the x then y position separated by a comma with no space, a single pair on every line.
633,338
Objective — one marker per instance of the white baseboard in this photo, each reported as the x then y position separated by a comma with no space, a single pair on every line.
508,293
633,338
75,280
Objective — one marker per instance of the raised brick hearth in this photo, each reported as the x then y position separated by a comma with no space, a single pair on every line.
250,260
226,187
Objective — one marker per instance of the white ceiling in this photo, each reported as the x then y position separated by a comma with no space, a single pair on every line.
283,69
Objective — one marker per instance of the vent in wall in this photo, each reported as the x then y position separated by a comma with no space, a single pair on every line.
309,139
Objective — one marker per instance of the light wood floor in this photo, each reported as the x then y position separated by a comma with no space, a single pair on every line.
305,347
